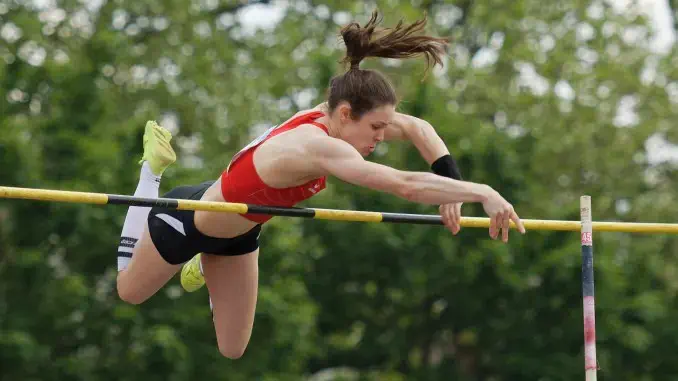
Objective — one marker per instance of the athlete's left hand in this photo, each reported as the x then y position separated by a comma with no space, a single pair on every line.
451,215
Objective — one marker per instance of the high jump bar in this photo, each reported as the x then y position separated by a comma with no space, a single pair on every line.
316,213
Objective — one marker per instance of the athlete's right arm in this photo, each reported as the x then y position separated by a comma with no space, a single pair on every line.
337,158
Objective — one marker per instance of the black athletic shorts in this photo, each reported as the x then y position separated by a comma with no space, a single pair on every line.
178,240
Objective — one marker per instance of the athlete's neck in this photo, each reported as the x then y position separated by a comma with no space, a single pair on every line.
332,127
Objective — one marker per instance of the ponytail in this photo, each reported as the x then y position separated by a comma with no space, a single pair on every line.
401,41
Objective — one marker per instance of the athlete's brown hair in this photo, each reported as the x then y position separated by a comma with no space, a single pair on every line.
366,90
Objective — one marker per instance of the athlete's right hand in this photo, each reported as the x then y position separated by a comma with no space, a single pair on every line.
501,213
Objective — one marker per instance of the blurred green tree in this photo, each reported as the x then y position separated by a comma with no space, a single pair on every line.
544,102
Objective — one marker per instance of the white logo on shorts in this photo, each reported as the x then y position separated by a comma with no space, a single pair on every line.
173,222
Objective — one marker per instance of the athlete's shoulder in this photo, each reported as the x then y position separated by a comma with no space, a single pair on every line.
314,113
318,144
315,110
307,132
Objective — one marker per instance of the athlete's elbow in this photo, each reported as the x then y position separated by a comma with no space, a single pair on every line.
407,189
414,187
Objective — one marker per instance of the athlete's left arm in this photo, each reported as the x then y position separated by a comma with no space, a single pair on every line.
420,133
433,149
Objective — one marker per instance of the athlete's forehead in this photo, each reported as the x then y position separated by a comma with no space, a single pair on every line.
382,115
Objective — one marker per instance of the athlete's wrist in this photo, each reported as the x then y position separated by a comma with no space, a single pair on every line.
485,192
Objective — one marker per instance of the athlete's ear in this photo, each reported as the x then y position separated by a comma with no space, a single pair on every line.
344,112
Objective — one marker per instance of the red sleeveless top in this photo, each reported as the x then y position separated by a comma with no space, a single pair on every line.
241,183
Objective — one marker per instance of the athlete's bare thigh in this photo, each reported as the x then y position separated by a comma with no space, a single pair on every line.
232,282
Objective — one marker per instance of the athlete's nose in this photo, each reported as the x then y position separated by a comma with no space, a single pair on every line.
380,136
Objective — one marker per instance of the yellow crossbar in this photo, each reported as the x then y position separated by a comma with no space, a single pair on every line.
325,214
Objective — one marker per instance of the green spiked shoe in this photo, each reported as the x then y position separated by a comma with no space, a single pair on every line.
157,149
191,276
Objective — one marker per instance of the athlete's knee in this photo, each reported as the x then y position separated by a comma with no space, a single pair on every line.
126,293
128,296
232,352
231,349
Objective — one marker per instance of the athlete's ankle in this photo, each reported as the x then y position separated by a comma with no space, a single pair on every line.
148,175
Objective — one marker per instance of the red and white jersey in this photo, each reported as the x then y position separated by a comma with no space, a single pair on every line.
240,182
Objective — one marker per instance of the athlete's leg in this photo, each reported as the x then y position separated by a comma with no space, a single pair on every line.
135,220
158,155
232,282
146,273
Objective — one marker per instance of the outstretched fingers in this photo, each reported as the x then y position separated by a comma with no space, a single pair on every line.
495,225
501,224
451,217
519,223
506,224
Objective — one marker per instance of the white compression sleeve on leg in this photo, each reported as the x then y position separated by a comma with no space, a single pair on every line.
135,221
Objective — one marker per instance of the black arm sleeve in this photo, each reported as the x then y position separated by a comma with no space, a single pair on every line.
446,166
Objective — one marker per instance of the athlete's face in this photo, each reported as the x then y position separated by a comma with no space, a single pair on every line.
365,133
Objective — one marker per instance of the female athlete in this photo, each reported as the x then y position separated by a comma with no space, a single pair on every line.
284,166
